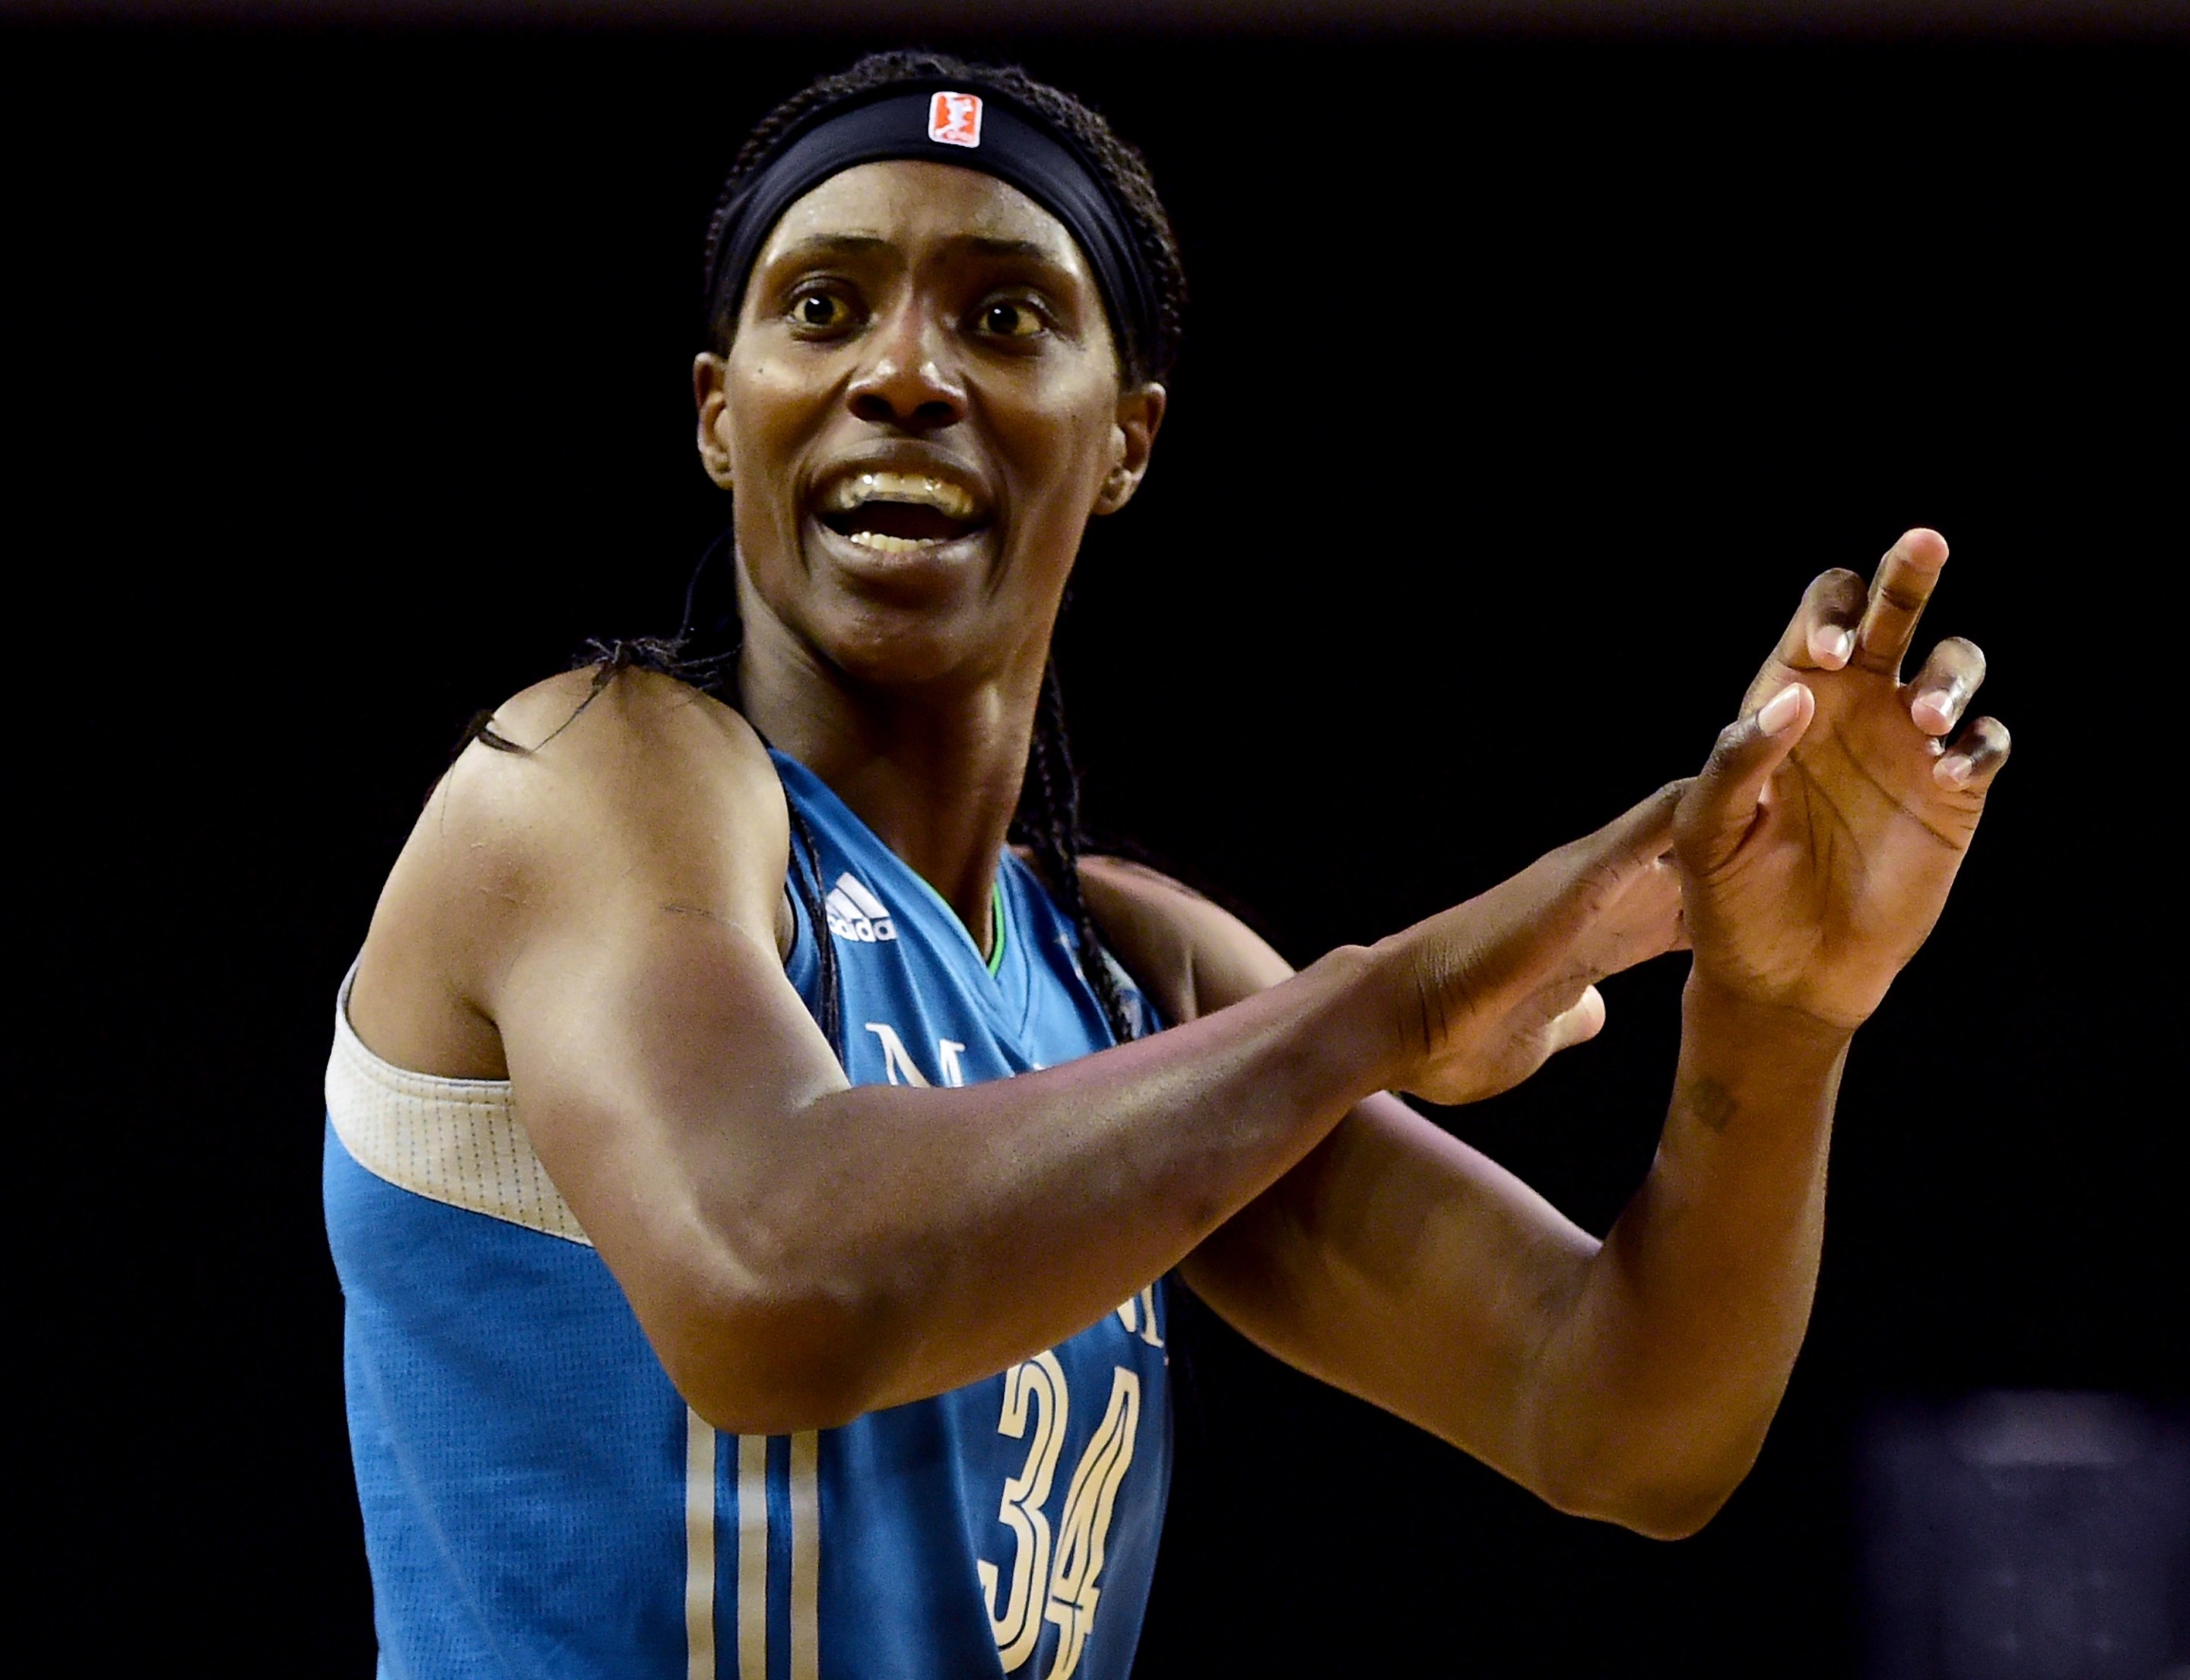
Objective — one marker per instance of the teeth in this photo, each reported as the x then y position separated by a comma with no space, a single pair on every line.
883,543
952,501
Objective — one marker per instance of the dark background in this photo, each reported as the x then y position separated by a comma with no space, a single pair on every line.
1528,380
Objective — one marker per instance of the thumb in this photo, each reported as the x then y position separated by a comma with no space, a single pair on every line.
1720,806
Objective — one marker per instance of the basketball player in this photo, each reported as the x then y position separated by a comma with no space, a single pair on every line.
755,1250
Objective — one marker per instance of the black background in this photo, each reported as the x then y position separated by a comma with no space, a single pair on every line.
1527,383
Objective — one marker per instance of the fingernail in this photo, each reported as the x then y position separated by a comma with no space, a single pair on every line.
1779,711
1939,704
1953,769
1831,646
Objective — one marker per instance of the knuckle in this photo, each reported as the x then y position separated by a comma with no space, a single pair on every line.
1604,879
1965,654
1838,586
1901,595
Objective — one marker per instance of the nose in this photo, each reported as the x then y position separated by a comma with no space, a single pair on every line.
911,380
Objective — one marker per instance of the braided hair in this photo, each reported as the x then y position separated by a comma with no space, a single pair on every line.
704,651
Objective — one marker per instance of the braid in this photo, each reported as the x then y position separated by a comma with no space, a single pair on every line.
1048,823
807,883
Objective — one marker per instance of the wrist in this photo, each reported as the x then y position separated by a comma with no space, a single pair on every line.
1717,1015
1369,1003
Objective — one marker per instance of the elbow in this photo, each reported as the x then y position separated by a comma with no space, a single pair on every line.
781,1362
1662,1470
784,1320
1674,1514
1658,1502
789,1398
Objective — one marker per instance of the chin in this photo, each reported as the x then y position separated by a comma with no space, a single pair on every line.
889,645
909,617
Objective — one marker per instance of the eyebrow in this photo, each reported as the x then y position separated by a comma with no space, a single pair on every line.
1009,247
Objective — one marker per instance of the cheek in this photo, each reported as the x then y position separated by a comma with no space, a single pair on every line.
1065,454
771,411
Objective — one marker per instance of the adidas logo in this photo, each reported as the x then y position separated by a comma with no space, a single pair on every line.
855,913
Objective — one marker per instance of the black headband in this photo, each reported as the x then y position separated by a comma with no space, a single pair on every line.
945,123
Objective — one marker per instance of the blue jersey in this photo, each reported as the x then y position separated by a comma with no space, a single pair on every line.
539,1502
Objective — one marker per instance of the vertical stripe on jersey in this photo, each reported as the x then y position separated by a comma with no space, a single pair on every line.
753,1557
805,1557
699,1547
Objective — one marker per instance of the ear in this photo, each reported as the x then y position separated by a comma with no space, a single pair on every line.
710,376
1140,412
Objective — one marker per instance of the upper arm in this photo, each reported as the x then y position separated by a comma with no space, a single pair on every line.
1394,1261
1193,957
644,793
606,901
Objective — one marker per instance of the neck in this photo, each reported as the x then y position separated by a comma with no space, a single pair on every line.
935,771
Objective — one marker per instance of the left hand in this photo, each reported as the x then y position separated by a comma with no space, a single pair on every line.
1817,848
1486,992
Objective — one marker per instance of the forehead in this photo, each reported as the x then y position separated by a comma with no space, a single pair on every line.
910,204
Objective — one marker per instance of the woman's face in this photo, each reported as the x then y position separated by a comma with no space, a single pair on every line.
919,410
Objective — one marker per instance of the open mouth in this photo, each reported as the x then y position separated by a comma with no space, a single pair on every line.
899,513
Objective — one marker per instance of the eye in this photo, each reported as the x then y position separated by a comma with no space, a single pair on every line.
821,311
1010,318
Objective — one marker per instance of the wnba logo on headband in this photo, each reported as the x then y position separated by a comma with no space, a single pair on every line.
955,119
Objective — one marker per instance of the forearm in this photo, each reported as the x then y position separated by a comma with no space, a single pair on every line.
931,1237
1658,1387
800,1251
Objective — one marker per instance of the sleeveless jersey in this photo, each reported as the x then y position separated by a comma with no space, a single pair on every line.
540,1503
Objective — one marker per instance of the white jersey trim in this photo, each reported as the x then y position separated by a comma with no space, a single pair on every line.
455,1141
805,1556
699,1547
753,1557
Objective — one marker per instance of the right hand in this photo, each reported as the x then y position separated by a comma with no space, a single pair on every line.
1487,992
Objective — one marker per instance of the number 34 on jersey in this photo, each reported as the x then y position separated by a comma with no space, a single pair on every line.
1052,1577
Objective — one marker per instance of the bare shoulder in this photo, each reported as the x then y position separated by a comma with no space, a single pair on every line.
1194,957
637,761
593,803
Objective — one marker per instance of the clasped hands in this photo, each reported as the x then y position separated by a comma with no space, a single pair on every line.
1803,867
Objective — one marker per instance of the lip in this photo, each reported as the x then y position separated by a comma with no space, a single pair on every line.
905,456
929,559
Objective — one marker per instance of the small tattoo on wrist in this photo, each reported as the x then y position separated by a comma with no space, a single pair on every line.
1709,1102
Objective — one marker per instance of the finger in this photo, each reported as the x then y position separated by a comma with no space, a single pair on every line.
1897,594
1534,919
1576,1025
1942,687
1971,764
1635,839
1720,806
1644,922
1821,635
1597,870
